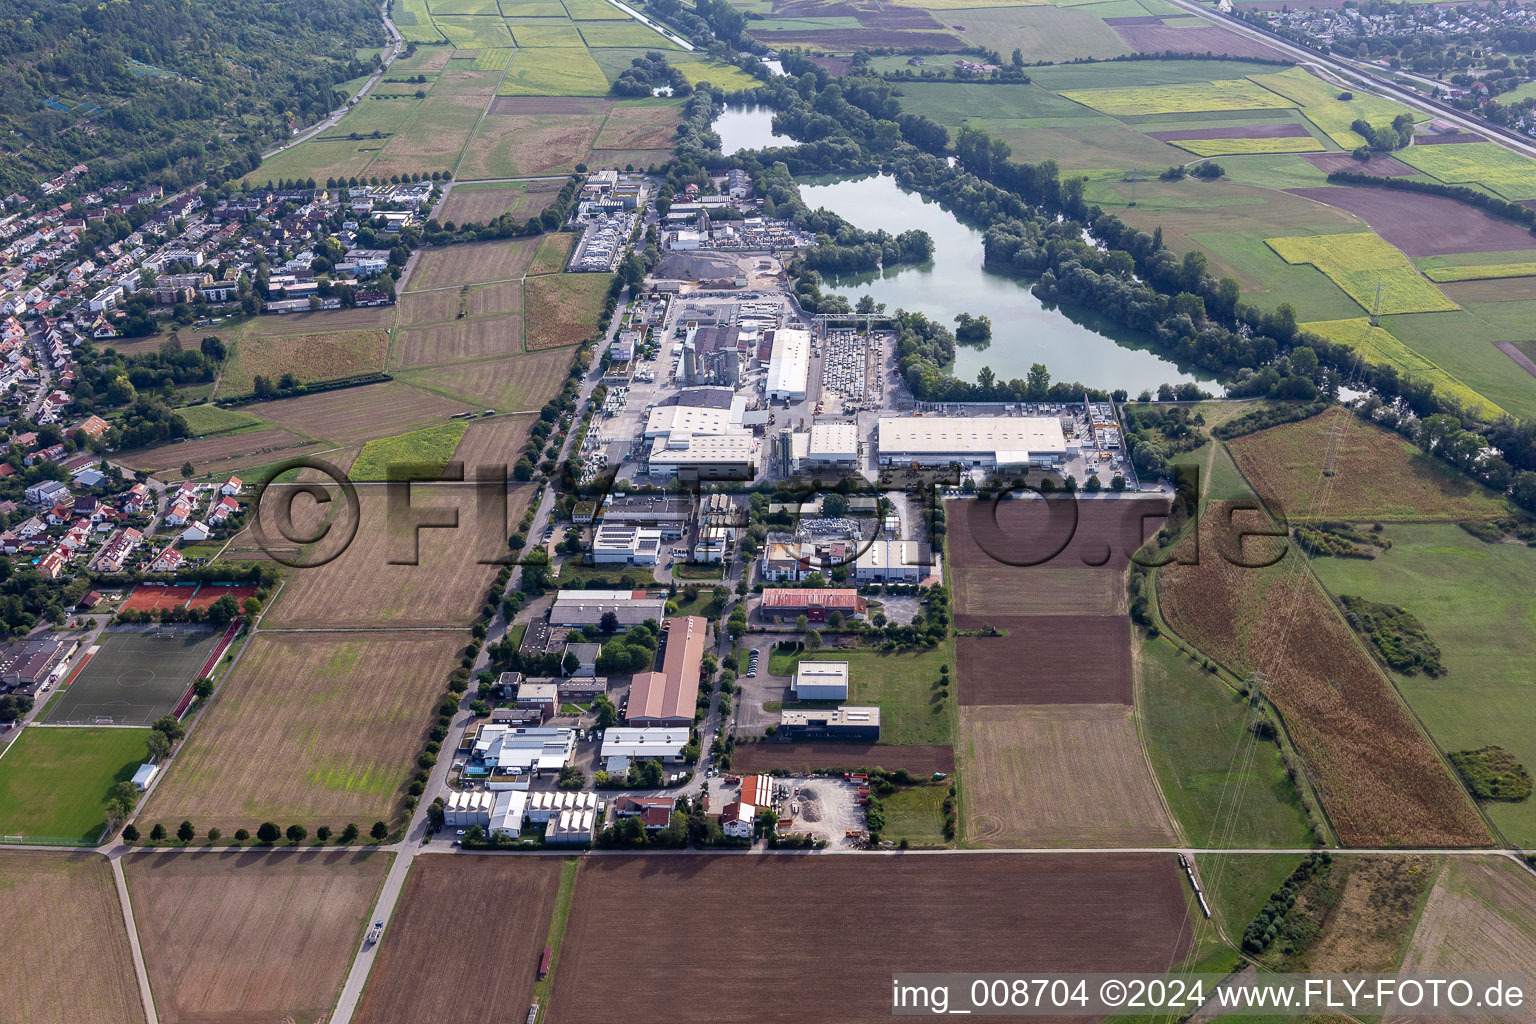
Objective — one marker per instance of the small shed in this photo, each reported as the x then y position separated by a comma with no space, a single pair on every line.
144,776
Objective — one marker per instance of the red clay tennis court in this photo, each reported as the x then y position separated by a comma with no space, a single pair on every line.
208,593
148,597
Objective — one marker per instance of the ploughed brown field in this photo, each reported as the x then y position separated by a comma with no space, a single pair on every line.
806,757
499,905
1045,659
816,938
67,959
1379,778
1423,225
251,935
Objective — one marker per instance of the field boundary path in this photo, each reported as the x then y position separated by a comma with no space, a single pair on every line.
145,993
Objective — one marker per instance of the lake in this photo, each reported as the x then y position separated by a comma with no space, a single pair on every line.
742,128
1074,346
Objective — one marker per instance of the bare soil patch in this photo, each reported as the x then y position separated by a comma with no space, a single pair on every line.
1252,131
436,917
354,415
456,340
360,589
1446,139
1424,225
1058,775
803,758
1385,166
250,935
315,728
1056,915
67,959
1045,659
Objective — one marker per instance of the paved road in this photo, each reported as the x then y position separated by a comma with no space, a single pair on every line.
1408,97
396,44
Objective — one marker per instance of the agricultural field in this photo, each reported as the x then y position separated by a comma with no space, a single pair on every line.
1071,775
524,135
55,780
1234,147
1379,778
636,126
431,446
439,128
493,442
803,758
1045,659
69,961
1059,910
1480,272
554,71
562,309
1424,226
455,340
1377,476
1476,163
1189,97
1042,32
1225,787
1473,599
220,452
457,265
212,419
361,589
553,253
354,415
727,76
1480,917
252,935
1368,269
309,357
512,384
429,928
1319,103
468,204
436,306
1378,345
316,728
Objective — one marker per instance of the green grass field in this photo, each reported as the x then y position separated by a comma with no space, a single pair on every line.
726,76
1359,263
54,782
1476,163
541,32
432,446
1319,103
553,71
1225,788
916,814
1226,94
1475,601
623,33
1237,885
901,684
1462,344
474,33
211,419
1378,345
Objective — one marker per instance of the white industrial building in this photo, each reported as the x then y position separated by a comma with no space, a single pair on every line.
716,457
825,444
893,561
466,810
645,744
587,607
620,544
789,365
548,804
508,750
571,828
821,680
506,816
978,441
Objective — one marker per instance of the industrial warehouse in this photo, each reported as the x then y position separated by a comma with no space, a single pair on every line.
984,442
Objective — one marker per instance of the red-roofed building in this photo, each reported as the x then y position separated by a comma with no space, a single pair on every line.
669,697
815,604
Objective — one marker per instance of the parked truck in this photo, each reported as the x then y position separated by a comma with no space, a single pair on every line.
375,930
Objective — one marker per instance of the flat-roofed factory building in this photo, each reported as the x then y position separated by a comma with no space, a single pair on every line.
974,441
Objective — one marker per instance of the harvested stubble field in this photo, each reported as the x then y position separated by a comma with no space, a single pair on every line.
1379,778
440,126
317,728
67,959
991,542
836,755
513,384
493,442
483,205
1377,475
309,357
1067,775
427,937
562,309
1423,225
430,307
1480,918
639,127
1056,915
250,935
511,144
1045,659
1359,263
457,340
225,449
496,299
360,589
354,415
365,318
456,265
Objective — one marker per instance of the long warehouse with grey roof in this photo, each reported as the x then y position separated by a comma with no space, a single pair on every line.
983,441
